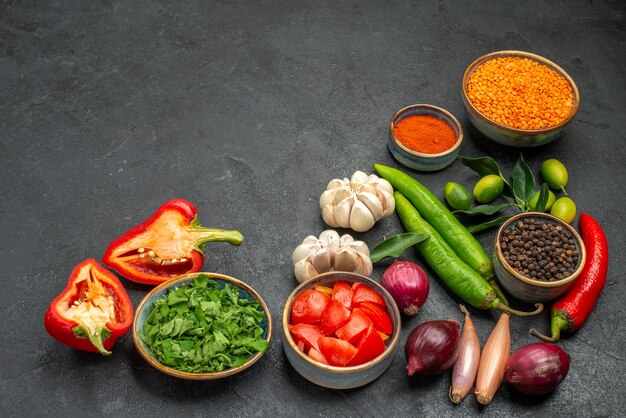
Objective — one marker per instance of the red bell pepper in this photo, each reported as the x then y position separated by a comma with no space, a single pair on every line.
166,245
92,311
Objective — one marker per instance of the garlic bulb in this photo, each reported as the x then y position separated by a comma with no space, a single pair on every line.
330,252
357,203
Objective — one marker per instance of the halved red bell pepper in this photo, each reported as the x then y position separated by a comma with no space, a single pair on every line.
166,245
92,312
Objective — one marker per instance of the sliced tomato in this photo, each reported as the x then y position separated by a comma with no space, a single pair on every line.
379,317
337,352
354,285
343,293
357,323
306,333
369,347
308,307
335,315
324,289
363,293
301,346
317,356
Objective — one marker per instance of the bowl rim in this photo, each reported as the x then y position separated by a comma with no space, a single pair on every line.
537,58
399,144
394,338
204,375
538,283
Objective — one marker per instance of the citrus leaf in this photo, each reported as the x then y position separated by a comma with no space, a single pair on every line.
542,200
474,229
395,246
522,181
484,209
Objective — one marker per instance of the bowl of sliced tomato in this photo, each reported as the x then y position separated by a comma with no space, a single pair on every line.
340,329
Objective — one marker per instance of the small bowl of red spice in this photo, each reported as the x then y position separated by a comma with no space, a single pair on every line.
424,137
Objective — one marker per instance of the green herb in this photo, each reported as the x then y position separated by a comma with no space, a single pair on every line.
200,327
395,246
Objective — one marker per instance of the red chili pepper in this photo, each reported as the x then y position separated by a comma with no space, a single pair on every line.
92,311
571,311
166,245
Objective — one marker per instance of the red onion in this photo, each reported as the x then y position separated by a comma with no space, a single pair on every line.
432,347
408,284
537,369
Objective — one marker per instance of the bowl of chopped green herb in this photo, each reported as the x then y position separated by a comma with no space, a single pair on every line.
202,326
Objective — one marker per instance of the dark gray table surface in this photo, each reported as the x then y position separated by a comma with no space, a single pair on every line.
109,108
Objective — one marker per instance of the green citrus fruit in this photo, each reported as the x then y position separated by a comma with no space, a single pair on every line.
564,208
532,202
457,196
554,174
488,188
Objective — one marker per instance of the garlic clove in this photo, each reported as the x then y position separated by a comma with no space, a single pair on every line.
301,252
367,188
341,194
382,185
342,212
328,214
361,219
346,239
364,266
335,183
361,248
389,203
328,237
322,260
327,198
357,178
373,204
346,260
304,271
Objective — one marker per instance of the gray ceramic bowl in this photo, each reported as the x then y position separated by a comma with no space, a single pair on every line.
419,160
340,377
143,310
528,289
511,136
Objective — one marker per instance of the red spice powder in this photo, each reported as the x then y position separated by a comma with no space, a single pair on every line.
425,134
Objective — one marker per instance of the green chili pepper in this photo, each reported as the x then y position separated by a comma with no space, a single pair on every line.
451,230
464,281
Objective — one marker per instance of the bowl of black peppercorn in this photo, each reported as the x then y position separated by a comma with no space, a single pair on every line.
537,257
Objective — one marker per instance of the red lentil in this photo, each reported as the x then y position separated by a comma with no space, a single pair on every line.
520,93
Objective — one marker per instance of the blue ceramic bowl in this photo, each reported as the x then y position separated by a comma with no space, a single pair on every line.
143,310
525,288
334,377
503,134
419,160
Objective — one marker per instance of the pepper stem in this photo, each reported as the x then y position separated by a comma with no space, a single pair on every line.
510,310
202,235
558,323
498,291
539,335
96,338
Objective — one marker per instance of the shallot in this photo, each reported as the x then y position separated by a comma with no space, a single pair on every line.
537,369
466,366
407,284
432,347
493,361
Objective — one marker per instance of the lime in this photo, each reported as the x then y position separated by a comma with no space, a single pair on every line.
488,188
554,174
532,202
564,208
457,196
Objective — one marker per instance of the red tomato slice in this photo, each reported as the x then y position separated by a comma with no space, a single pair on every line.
335,315
337,352
301,345
370,346
317,356
379,317
308,307
363,293
357,323
307,333
343,293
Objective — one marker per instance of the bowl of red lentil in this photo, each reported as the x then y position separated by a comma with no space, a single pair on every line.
537,257
518,98
424,137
